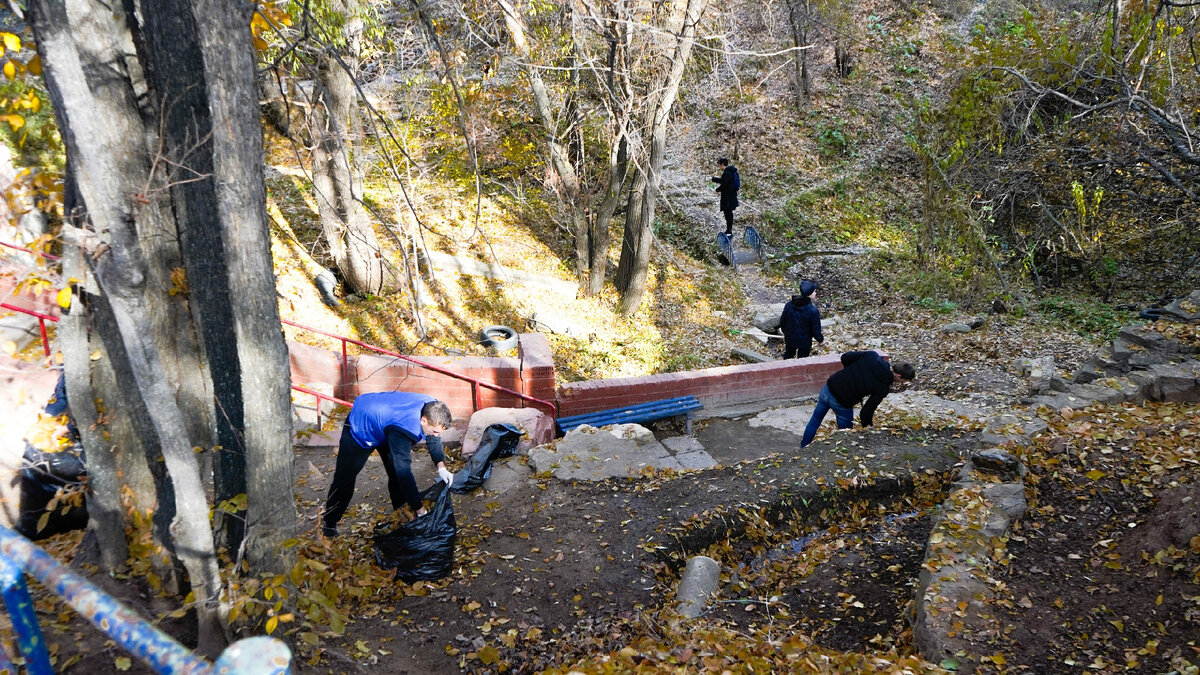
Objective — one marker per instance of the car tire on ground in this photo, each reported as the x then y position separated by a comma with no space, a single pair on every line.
500,338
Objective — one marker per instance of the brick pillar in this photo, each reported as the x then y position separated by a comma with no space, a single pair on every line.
537,366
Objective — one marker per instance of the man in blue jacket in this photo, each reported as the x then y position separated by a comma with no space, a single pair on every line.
863,375
728,184
389,422
801,322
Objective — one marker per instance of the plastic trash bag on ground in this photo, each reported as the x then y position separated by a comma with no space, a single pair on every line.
498,441
423,548
42,476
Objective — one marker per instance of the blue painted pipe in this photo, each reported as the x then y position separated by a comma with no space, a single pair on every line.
24,619
253,656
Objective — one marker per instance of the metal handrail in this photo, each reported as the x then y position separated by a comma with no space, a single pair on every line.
252,656
552,407
42,319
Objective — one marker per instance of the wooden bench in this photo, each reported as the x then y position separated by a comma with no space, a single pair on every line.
642,412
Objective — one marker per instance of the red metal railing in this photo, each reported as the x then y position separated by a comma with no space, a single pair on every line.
47,256
42,319
476,383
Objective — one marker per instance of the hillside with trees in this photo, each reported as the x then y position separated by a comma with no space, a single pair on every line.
407,174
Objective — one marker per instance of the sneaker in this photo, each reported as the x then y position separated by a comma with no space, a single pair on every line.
329,531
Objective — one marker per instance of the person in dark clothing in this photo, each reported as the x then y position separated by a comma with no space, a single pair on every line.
863,374
389,422
801,322
728,184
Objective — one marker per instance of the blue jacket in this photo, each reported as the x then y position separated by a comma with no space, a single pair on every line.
800,320
373,414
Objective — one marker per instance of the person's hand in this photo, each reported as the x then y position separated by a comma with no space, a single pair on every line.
421,511
445,475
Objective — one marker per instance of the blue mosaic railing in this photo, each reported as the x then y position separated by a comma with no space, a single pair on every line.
251,656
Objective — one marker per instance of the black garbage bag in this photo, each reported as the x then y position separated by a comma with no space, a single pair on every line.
42,476
499,441
423,548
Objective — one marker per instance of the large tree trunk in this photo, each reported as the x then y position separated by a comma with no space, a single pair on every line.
168,170
337,178
106,520
264,378
639,219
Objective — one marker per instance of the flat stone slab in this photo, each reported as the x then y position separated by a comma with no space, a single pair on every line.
621,450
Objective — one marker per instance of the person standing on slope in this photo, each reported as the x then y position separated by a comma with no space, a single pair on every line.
728,184
801,322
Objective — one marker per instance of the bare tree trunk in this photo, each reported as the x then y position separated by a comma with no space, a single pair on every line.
559,157
639,219
337,178
799,19
264,376
106,519
618,163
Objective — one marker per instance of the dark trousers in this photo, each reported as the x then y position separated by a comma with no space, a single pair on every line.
728,222
798,349
351,458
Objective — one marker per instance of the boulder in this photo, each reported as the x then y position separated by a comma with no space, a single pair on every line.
955,328
1176,381
999,463
976,322
766,317
1184,310
537,426
591,454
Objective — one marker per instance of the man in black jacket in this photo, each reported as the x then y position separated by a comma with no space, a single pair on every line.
863,374
801,323
728,184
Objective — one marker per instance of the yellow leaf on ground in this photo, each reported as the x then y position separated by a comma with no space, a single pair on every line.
1095,474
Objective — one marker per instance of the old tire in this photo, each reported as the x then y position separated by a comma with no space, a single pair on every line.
500,338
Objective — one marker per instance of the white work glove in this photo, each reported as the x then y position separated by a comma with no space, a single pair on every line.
446,476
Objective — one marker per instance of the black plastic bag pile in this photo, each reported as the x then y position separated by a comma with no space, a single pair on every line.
423,548
43,475
499,441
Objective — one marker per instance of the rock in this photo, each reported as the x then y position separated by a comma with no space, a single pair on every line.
587,453
1040,372
999,307
830,321
766,317
1184,310
752,357
976,321
885,324
697,586
1098,393
1059,383
1175,382
537,427
999,463
955,328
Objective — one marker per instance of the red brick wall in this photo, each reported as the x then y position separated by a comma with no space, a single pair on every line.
713,386
531,374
